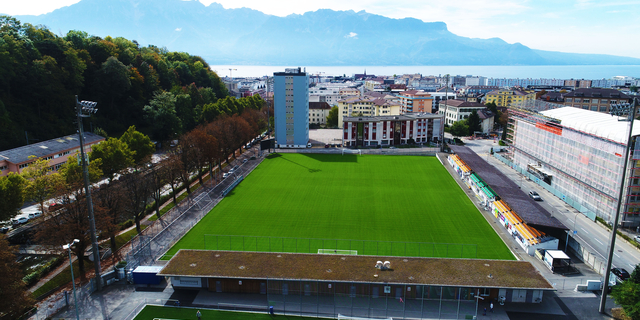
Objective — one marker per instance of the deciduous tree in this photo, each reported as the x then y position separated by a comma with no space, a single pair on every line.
627,294
115,156
161,116
139,143
72,222
136,186
12,195
111,197
474,123
459,128
41,183
332,118
14,299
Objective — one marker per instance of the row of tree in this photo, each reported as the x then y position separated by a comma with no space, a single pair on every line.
42,72
131,181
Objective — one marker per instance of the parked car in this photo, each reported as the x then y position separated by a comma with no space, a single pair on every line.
4,229
54,206
621,273
34,215
326,146
637,239
226,174
535,196
244,161
20,220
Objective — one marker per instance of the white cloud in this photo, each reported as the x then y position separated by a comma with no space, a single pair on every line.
352,35
178,29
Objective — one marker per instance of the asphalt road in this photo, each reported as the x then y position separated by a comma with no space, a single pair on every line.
588,233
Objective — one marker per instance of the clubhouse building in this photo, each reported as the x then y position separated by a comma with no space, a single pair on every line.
326,285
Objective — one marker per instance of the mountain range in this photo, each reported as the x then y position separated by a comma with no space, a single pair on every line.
323,37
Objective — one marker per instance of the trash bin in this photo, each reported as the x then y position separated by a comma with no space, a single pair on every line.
271,310
120,274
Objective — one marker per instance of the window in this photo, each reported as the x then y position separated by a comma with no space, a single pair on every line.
594,101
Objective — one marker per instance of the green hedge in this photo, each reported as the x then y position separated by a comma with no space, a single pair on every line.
622,235
36,275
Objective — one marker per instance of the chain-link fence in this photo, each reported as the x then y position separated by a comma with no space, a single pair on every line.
153,241
64,300
360,247
420,151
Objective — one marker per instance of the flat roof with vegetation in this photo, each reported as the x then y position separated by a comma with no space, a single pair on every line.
354,268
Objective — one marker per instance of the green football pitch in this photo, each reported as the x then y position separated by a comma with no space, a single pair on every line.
173,313
374,205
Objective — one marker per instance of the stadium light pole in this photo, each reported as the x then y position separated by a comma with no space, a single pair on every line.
73,280
617,110
90,107
444,118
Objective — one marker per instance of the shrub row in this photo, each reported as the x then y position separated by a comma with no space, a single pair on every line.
36,275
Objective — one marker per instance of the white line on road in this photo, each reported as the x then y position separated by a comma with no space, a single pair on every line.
615,254
598,241
585,231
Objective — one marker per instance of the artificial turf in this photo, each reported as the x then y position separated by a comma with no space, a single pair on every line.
404,199
171,313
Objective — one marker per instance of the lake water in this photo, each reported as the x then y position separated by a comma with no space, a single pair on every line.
546,72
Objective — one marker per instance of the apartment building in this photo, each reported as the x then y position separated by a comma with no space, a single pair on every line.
372,104
415,101
594,99
318,112
457,110
420,128
509,97
291,108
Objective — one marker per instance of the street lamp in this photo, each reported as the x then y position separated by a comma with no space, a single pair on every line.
90,107
73,280
618,110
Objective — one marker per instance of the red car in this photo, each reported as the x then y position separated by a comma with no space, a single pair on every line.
54,206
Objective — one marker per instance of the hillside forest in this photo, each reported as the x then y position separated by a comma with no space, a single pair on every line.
163,94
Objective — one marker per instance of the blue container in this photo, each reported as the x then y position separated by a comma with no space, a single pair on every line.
147,275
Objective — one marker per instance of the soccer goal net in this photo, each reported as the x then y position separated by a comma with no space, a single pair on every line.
335,251
359,318
351,151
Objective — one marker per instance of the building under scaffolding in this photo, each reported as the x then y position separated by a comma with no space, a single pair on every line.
579,155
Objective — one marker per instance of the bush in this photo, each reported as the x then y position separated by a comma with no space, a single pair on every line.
127,224
36,275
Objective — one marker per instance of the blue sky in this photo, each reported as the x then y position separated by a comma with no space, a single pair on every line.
578,26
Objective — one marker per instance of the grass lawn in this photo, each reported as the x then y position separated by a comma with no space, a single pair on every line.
153,312
62,278
383,198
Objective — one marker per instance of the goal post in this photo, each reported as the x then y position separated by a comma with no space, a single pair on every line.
351,151
360,318
336,251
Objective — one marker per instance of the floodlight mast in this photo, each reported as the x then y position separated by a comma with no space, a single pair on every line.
618,110
90,107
